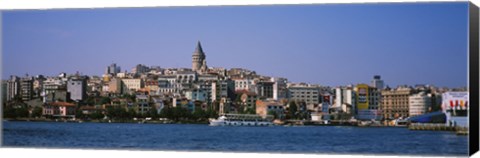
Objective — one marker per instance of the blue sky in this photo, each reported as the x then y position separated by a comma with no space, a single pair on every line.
330,44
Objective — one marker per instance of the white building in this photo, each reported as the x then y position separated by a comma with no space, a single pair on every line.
345,99
131,84
419,103
280,90
168,84
77,87
456,106
310,94
245,84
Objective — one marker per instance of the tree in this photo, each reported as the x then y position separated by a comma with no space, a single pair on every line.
97,115
292,110
275,115
21,112
79,114
105,100
152,112
37,112
9,112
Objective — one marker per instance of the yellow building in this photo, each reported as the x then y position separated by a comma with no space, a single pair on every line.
368,102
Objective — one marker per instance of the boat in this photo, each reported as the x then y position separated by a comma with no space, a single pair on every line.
401,123
242,120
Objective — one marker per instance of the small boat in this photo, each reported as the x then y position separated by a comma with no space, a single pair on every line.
401,123
241,120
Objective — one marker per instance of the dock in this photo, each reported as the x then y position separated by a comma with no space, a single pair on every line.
431,127
438,127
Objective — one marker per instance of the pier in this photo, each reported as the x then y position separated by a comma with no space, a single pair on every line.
430,127
438,127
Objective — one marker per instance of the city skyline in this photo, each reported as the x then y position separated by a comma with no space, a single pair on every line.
278,41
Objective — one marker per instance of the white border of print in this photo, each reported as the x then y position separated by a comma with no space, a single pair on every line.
81,153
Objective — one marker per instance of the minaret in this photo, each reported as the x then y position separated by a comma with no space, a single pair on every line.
198,58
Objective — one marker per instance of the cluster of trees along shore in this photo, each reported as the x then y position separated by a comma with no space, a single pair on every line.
17,109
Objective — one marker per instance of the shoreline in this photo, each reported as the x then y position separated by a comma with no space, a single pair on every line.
107,121
462,131
179,122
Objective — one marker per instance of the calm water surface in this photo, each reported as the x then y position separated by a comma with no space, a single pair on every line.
181,137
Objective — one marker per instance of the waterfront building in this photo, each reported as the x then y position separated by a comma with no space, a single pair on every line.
199,62
368,102
395,102
264,89
26,88
280,90
77,87
247,99
270,107
215,90
377,82
130,85
13,87
345,99
143,105
59,110
419,103
301,92
54,89
456,106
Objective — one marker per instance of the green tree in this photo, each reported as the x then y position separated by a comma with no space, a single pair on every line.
97,115
79,114
152,112
273,113
21,112
9,112
292,110
37,112
105,100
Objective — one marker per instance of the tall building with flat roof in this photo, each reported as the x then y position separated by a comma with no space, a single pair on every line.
395,102
77,87
377,82
13,87
113,69
26,88
310,94
419,103
368,102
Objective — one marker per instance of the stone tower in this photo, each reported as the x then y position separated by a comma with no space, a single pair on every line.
199,63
